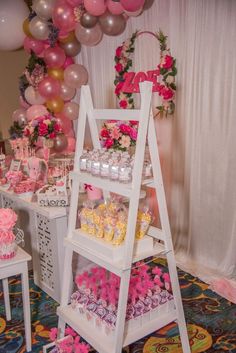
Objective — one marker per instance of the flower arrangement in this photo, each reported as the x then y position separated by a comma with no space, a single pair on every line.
69,344
44,126
166,72
119,135
8,220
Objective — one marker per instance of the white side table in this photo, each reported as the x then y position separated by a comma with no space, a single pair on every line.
18,266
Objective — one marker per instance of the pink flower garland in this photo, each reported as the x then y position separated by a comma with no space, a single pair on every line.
166,73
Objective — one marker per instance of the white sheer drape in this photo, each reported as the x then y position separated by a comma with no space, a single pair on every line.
197,146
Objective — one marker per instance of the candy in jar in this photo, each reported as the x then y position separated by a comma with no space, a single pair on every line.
90,222
83,220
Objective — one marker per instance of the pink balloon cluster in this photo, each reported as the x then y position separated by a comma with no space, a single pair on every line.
55,34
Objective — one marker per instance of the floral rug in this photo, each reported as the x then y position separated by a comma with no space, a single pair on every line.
211,321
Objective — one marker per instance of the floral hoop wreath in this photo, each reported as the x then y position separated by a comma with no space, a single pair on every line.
165,72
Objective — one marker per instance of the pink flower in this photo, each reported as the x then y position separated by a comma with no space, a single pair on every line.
118,52
123,104
133,122
26,132
104,133
108,143
118,67
43,129
8,219
53,334
57,127
115,133
125,141
125,129
133,134
167,93
119,87
52,135
168,62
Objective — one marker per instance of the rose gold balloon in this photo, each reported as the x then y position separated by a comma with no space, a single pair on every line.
75,75
89,36
71,48
71,110
60,143
87,20
112,25
67,93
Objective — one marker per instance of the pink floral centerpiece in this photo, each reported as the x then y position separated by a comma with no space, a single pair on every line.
119,135
8,246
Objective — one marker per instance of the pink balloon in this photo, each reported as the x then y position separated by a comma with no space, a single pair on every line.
69,61
115,7
23,103
35,111
132,5
54,57
65,123
49,87
74,2
63,16
31,44
135,13
71,133
95,7
71,142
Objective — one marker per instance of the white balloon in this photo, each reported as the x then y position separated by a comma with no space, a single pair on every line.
33,97
12,15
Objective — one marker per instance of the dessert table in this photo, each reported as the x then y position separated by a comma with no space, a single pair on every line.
45,229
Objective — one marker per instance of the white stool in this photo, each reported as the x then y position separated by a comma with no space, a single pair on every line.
15,266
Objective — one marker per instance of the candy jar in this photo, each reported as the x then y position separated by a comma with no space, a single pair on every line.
143,222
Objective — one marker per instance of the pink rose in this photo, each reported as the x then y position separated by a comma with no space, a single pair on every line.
57,127
26,132
104,133
8,219
108,143
167,93
133,134
43,129
118,67
115,133
168,62
133,122
52,135
123,104
118,52
125,129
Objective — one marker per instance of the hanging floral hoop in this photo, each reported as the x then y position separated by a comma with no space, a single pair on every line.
163,76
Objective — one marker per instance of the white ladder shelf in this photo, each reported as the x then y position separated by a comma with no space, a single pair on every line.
123,334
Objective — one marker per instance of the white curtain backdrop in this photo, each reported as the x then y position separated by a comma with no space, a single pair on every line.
197,145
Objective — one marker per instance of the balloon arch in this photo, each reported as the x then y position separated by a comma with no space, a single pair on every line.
55,31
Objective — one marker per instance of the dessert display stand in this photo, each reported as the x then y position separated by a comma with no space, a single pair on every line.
104,254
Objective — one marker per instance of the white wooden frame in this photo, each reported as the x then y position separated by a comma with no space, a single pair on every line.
146,132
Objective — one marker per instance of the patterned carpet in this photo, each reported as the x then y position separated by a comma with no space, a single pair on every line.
211,321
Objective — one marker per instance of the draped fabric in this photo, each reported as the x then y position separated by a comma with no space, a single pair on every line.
196,144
